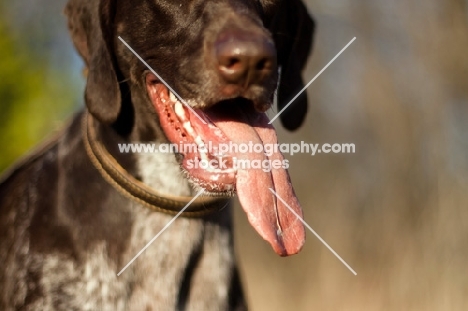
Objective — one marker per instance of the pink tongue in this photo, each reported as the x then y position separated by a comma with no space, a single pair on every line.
266,213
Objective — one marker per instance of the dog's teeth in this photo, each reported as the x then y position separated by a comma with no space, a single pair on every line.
188,127
201,144
172,97
179,110
162,97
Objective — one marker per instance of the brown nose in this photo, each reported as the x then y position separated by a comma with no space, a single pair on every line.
244,58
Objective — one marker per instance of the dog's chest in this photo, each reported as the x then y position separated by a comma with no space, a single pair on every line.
190,264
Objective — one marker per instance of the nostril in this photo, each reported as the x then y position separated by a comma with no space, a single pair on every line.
263,64
232,63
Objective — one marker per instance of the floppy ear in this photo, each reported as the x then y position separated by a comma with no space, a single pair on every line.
292,29
89,22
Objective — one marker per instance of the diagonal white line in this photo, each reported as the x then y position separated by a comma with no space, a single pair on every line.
312,230
308,84
160,78
160,232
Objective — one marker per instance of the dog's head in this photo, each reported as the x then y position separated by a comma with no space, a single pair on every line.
222,58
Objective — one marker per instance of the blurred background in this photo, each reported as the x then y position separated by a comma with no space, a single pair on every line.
396,210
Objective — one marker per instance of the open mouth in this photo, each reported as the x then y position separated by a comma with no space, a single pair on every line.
200,134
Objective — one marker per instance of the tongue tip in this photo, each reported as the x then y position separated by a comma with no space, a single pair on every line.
289,252
288,247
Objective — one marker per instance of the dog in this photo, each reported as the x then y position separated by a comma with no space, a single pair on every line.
77,209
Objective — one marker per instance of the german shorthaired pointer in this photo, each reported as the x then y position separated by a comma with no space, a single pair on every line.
77,209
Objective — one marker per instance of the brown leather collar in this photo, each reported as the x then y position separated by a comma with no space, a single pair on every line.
134,189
